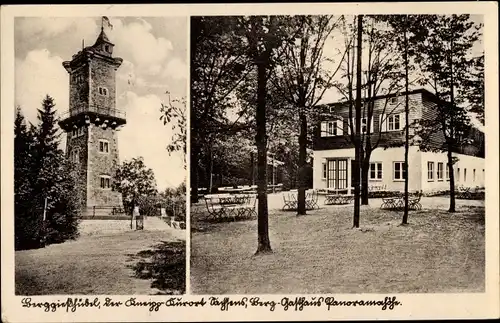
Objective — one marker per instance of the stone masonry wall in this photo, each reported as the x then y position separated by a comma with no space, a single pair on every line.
102,75
79,88
100,163
79,143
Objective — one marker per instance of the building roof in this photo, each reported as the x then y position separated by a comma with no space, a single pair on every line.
391,95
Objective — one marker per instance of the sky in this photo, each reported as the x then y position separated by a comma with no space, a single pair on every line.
334,47
154,52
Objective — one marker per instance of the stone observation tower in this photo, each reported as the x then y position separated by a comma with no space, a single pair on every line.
92,122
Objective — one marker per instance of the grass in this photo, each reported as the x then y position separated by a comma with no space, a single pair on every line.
321,253
116,264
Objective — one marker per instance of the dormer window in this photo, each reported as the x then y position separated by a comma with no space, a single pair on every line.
393,100
107,48
103,91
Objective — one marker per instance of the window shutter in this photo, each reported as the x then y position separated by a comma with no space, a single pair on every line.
340,127
382,123
323,129
371,126
402,118
348,126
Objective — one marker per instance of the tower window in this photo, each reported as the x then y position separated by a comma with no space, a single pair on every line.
75,155
105,182
106,48
103,146
103,91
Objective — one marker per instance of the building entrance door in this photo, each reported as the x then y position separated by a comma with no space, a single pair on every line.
337,174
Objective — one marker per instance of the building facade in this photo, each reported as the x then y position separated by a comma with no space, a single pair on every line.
92,122
333,154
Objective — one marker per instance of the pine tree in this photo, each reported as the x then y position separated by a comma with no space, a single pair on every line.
444,59
26,222
54,180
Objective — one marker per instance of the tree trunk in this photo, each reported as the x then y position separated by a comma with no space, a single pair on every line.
365,169
452,132
194,173
252,168
210,179
264,245
357,143
452,180
407,108
301,198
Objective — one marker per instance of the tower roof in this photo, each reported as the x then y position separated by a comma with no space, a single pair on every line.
102,38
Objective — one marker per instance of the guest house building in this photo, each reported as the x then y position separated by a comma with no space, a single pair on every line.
333,152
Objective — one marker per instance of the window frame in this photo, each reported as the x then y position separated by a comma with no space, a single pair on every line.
430,171
440,178
74,155
376,171
390,119
334,126
105,144
102,91
105,182
401,171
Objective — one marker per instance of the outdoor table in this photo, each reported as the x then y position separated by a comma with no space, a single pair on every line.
235,206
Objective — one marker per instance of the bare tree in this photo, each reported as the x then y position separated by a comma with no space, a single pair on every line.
301,79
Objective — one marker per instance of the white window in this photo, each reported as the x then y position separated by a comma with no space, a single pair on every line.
399,172
332,128
105,182
364,128
375,171
392,122
440,171
103,90
430,171
103,146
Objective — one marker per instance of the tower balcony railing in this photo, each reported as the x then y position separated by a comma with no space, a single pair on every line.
95,109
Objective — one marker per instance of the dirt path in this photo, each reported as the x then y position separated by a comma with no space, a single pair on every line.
106,264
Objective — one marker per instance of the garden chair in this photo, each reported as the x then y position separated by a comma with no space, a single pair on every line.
414,201
312,200
246,210
390,203
215,210
289,202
